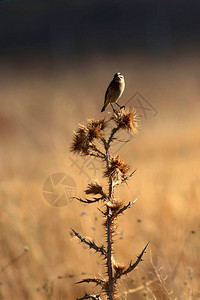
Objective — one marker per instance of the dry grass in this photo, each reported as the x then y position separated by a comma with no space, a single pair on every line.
37,118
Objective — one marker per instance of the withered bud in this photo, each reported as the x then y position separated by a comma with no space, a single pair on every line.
115,206
119,268
105,286
117,170
85,134
127,119
94,188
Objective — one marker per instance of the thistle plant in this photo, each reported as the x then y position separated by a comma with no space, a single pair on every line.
90,140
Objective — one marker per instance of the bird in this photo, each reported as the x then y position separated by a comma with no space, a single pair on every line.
114,91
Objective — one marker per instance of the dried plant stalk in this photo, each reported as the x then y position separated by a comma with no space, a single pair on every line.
116,171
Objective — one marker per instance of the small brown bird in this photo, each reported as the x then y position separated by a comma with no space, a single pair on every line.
114,91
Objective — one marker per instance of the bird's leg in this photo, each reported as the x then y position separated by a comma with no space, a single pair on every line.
113,108
120,106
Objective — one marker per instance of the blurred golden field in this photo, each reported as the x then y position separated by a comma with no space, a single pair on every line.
41,105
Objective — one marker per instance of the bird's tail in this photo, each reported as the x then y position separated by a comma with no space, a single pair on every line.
103,108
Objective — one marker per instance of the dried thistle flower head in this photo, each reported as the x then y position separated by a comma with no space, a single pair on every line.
117,170
95,128
127,119
94,188
85,134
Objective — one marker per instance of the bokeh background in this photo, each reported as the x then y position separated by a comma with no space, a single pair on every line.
56,60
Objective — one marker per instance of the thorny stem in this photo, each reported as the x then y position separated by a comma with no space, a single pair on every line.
99,153
112,135
107,144
132,266
107,156
109,256
90,244
110,291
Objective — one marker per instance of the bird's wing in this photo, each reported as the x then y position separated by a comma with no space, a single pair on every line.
109,88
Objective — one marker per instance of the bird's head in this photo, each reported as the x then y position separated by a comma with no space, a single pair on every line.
118,77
